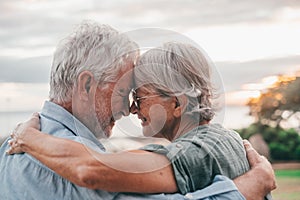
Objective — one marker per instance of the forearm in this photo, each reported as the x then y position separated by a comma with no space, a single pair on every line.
137,171
134,171
249,187
63,156
260,180
256,183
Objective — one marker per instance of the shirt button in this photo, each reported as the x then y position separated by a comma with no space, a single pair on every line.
179,146
188,196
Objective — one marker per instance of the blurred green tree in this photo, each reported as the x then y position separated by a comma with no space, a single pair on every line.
278,104
275,111
284,144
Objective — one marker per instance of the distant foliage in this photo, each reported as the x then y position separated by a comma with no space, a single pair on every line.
283,144
279,104
275,111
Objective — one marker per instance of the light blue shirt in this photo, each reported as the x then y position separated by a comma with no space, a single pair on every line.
22,177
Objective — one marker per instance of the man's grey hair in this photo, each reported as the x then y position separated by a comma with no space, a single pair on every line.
176,69
97,48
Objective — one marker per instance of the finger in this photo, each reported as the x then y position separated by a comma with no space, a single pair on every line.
11,148
16,130
9,142
34,121
36,115
252,155
14,136
8,151
12,143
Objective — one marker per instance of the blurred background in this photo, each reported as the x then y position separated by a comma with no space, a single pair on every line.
254,44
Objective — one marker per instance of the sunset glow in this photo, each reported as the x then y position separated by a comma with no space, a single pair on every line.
241,97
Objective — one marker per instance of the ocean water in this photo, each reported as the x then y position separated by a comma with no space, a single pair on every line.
9,120
127,135
121,140
235,117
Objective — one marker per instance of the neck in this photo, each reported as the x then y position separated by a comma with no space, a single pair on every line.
67,106
186,124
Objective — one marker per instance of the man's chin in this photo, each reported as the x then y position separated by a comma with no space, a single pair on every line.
108,131
103,133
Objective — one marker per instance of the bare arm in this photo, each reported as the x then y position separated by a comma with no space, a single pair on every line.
134,171
260,180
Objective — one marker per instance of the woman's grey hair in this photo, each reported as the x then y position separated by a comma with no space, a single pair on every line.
97,48
177,69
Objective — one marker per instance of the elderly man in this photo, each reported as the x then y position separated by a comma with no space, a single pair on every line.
85,101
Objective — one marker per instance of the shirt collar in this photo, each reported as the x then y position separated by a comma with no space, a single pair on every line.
59,114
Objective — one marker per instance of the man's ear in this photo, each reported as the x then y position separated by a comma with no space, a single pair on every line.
85,83
180,106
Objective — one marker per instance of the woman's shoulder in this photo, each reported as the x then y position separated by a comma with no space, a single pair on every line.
203,131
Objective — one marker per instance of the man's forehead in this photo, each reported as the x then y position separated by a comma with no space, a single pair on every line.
125,78
124,87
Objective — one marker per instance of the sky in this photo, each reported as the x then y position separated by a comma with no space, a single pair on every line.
248,40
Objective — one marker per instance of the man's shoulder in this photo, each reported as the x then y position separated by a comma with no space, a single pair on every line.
24,177
17,162
64,125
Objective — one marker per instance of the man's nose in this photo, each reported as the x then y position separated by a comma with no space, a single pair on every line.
126,109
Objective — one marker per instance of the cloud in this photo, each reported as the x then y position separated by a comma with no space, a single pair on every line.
183,15
31,29
54,16
22,96
29,24
235,74
31,70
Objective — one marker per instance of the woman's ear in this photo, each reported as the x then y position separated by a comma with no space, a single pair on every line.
180,106
85,83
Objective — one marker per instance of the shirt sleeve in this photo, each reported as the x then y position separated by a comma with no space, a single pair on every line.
191,164
222,188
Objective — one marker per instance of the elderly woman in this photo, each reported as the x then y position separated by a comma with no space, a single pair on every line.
173,100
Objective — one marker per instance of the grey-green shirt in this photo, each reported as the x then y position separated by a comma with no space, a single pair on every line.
202,153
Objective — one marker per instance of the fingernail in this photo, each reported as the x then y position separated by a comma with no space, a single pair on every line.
247,144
